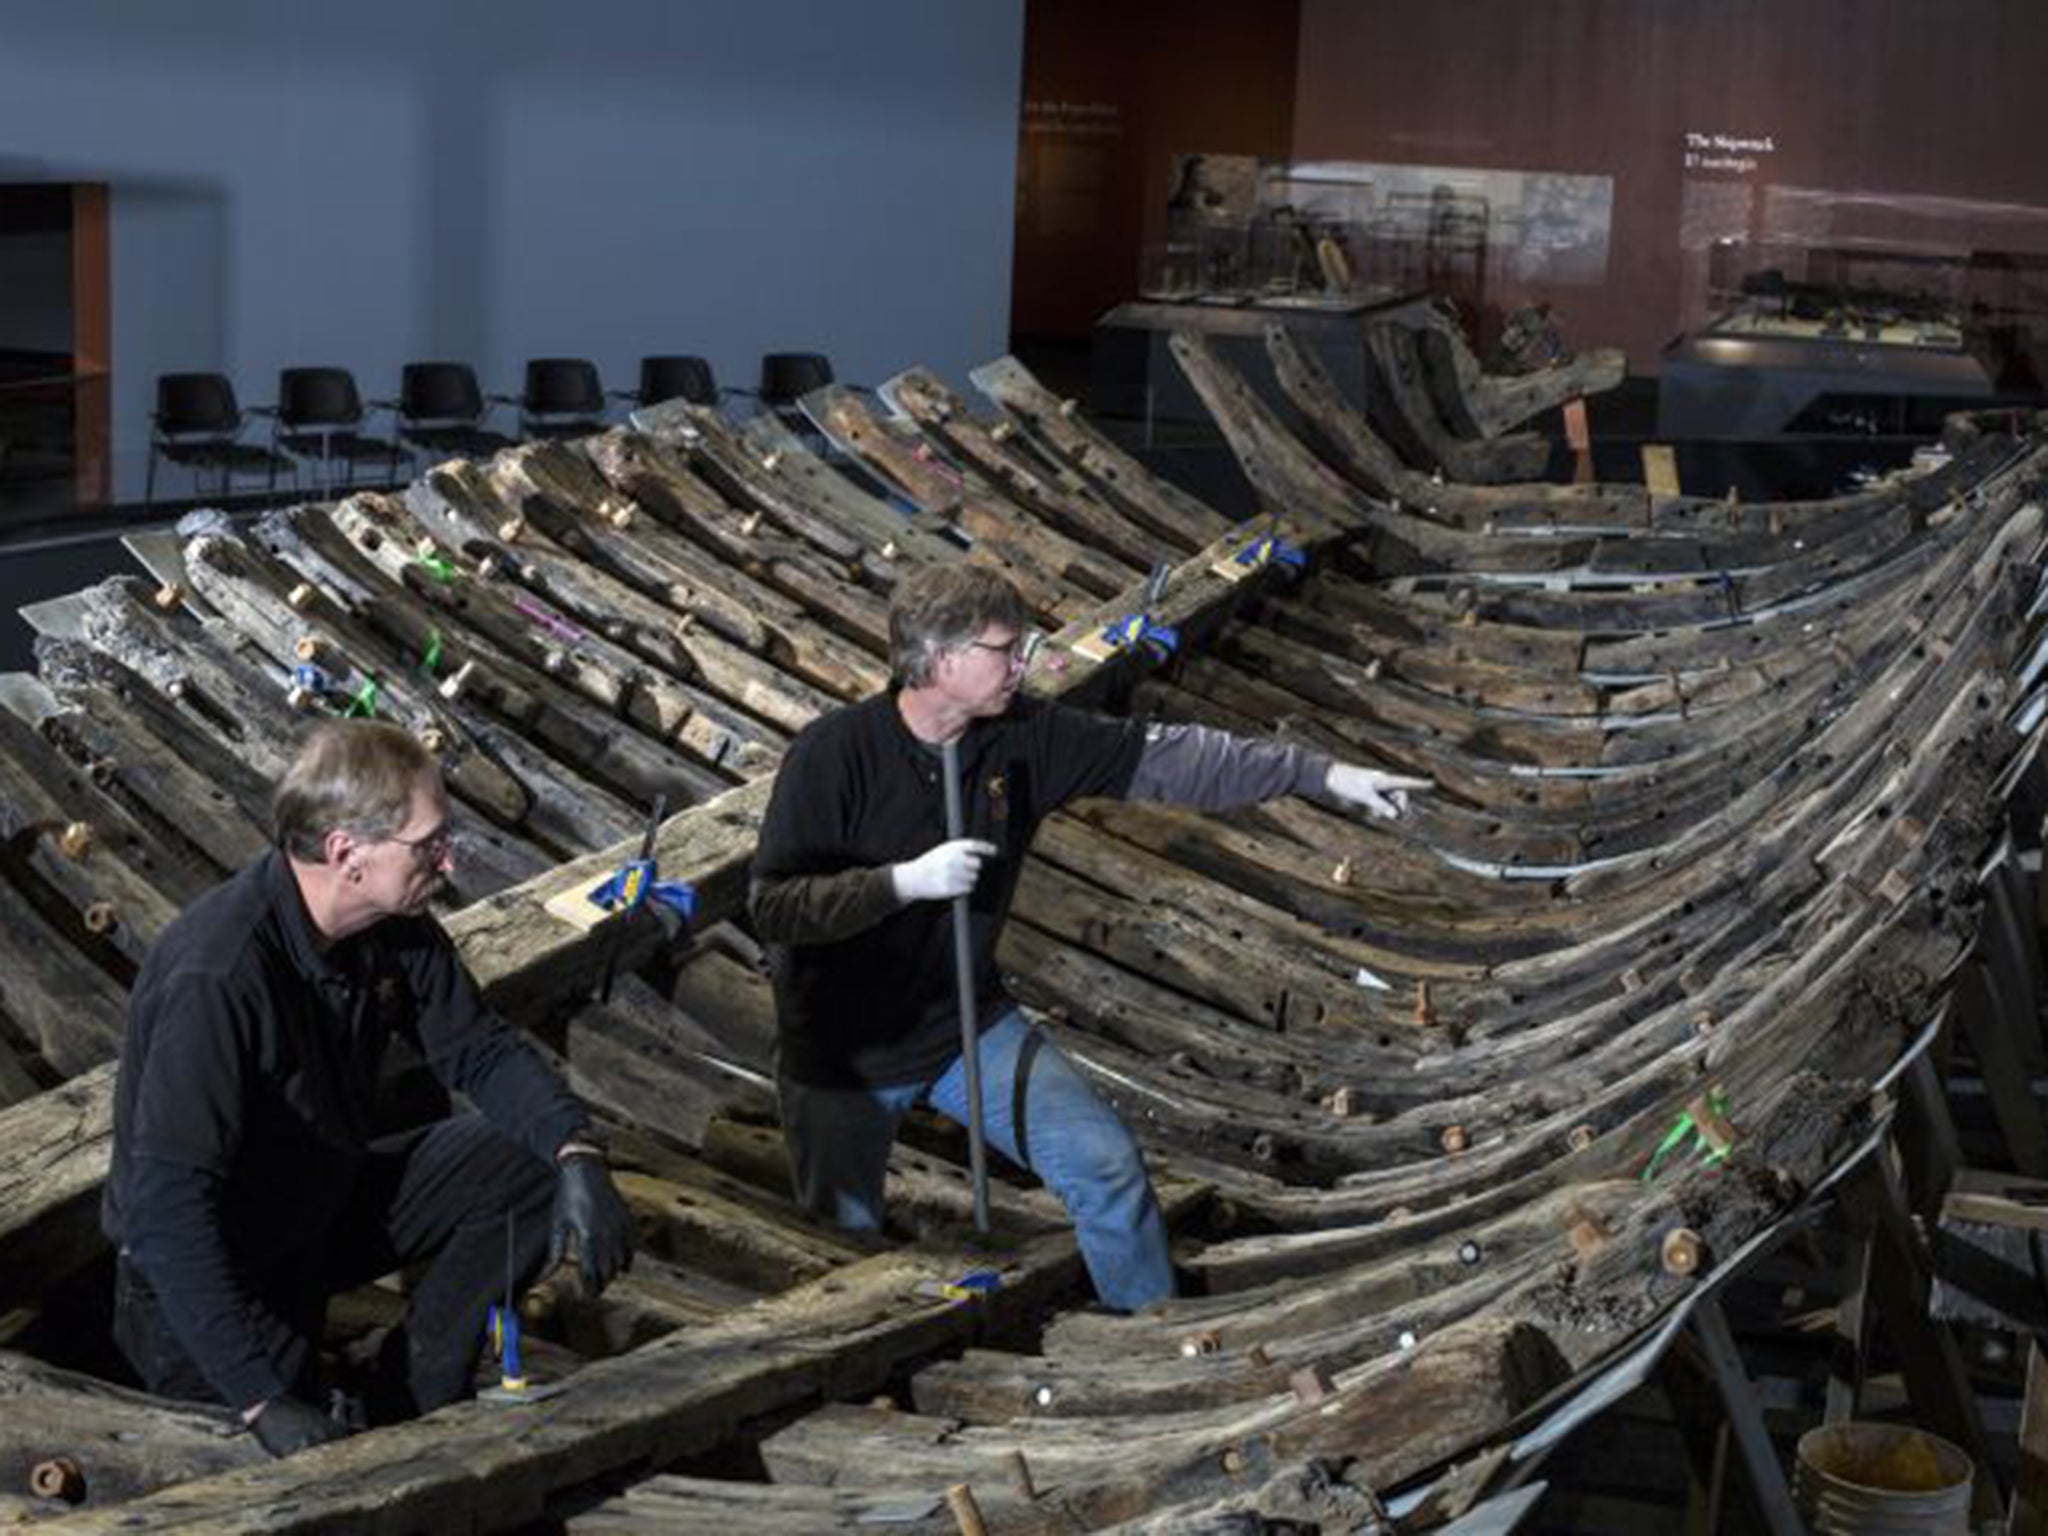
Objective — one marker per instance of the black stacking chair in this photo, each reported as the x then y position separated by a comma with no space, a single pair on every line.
198,423
563,398
441,412
786,377
318,422
675,377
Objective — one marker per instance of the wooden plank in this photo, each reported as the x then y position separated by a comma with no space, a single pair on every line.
480,1467
122,1444
1660,469
2030,1489
58,1148
1066,434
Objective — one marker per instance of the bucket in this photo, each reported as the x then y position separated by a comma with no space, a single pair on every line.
1879,1479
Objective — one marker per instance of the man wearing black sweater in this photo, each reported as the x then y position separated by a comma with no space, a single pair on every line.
247,1185
852,880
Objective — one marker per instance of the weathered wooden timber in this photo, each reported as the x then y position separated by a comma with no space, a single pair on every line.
1475,403
111,1445
1044,563
1045,489
1158,503
1401,1103
1399,398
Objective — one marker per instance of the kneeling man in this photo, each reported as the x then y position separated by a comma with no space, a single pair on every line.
247,1187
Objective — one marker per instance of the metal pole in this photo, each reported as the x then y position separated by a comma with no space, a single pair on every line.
963,977
618,938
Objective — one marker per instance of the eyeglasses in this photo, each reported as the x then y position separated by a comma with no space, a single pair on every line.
432,848
1017,652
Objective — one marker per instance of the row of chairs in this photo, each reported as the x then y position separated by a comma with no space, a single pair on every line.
440,412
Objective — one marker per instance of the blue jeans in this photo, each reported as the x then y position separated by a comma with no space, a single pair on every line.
839,1142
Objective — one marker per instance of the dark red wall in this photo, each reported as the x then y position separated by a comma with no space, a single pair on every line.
1939,98
1143,80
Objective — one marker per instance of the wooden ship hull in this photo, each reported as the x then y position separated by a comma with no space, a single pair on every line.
1715,786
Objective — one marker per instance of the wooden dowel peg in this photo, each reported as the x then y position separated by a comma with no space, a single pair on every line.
1682,1251
1310,1385
966,1513
58,1478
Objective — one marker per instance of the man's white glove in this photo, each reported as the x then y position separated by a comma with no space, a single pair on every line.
1382,794
941,873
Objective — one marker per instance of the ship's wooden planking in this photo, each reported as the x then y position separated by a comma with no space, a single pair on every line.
1713,784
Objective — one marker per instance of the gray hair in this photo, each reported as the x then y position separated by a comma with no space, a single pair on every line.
942,608
354,776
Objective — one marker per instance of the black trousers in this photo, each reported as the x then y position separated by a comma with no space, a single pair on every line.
439,1194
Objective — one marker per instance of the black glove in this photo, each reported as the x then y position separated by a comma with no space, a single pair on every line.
589,1209
286,1426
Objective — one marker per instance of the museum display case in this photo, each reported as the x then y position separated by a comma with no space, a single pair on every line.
1330,234
1808,312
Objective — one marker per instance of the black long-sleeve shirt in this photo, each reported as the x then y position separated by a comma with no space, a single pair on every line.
864,984
247,1088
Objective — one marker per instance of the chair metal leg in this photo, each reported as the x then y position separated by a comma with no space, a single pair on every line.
149,479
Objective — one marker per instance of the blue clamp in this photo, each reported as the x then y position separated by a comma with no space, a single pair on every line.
1140,629
504,1328
311,678
636,884
973,1284
1272,550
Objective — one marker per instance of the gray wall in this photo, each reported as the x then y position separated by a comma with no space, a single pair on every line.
496,179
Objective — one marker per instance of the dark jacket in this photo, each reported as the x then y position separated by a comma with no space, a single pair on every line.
247,1087
864,985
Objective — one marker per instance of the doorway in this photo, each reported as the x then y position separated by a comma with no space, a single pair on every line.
54,350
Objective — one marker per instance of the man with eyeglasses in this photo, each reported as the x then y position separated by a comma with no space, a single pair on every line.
250,1178
853,874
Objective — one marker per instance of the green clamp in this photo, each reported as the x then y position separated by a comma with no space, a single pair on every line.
362,703
1710,1145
